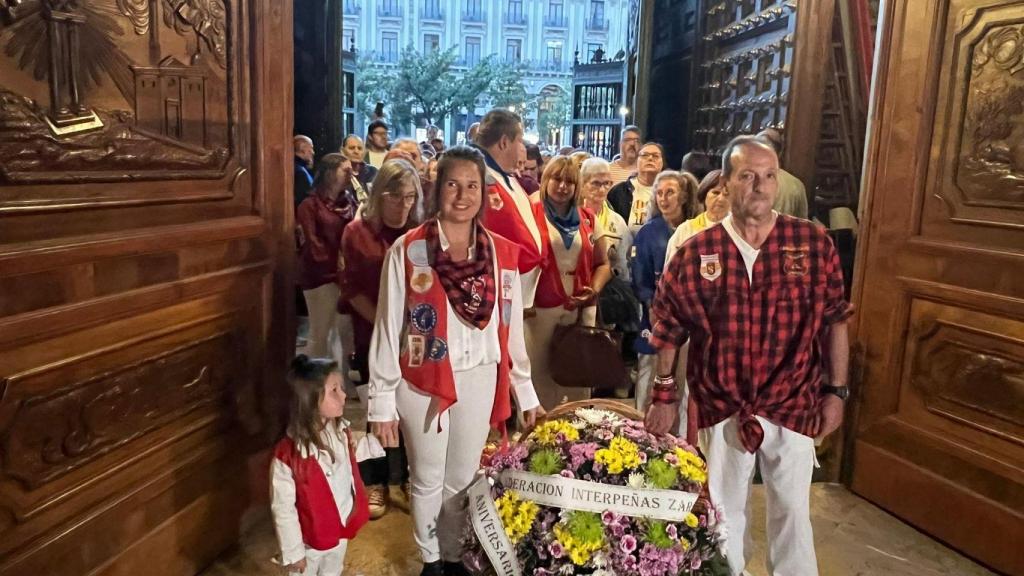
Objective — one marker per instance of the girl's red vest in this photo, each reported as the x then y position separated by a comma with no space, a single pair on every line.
503,218
550,291
319,519
429,368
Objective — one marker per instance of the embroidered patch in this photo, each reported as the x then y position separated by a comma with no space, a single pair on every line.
710,267
418,253
423,318
438,349
795,261
495,201
422,279
417,348
507,278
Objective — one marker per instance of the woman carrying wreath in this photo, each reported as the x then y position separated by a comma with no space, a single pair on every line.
448,352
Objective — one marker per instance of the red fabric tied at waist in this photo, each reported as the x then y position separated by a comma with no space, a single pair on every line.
750,430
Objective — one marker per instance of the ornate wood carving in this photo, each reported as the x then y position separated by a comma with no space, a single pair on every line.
52,434
972,376
991,156
94,92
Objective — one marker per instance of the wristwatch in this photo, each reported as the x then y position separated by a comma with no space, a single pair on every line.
843,392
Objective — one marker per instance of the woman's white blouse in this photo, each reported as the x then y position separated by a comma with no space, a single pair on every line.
468,346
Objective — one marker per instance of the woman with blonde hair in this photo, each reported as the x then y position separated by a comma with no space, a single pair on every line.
573,273
448,352
394,205
674,202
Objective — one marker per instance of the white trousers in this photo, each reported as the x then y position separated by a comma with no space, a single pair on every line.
442,463
539,331
325,562
330,333
786,460
646,370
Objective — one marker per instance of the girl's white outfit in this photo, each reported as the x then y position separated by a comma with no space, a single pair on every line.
442,462
286,518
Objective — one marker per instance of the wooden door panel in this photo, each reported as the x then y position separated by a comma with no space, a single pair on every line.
145,278
940,416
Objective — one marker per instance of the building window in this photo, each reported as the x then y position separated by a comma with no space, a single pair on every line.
348,39
597,13
515,11
555,53
432,9
474,11
389,46
431,43
472,55
556,13
591,48
389,7
514,50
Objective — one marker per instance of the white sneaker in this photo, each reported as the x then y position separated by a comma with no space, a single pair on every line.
378,497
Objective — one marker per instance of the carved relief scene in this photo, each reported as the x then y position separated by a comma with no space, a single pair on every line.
992,145
112,89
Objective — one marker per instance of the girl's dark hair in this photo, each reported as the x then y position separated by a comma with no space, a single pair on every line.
327,170
449,158
713,178
307,377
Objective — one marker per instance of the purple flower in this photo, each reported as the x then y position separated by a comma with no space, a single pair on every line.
556,550
604,434
672,531
566,473
627,543
608,517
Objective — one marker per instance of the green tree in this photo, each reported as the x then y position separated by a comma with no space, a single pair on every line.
431,85
555,115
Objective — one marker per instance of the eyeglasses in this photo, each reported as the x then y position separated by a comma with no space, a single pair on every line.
634,139
651,155
601,183
396,198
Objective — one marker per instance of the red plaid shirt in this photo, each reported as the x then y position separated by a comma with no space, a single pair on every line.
755,347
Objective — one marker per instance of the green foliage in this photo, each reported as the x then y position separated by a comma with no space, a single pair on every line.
657,534
585,526
431,85
556,117
661,474
546,461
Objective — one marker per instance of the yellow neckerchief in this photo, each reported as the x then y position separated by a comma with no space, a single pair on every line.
603,217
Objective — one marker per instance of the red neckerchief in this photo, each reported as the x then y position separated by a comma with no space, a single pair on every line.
469,284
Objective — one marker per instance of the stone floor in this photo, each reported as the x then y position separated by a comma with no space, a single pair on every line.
852,536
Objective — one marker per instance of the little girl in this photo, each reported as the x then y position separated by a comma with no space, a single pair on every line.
317,498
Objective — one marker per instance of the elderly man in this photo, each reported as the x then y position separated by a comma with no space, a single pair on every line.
759,297
363,174
304,153
510,211
792,198
629,148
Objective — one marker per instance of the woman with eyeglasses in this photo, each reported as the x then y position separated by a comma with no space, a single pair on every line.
674,200
632,198
595,182
448,353
572,275
393,206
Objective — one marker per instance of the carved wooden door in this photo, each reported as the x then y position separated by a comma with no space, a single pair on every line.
939,429
145,248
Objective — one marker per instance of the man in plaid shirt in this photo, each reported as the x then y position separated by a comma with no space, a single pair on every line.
759,297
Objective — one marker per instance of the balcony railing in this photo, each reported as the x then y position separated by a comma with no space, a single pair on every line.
597,24
515,18
474,16
389,9
384,57
555,21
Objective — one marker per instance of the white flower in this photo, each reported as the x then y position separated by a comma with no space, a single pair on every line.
595,416
578,424
636,481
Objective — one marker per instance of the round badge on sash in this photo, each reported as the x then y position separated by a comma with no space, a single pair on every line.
423,318
438,349
417,253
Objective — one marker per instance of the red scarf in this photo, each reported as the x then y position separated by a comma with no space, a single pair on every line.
469,284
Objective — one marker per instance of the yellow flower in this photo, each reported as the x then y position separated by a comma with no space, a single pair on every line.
579,551
517,515
621,454
547,433
691,520
691,466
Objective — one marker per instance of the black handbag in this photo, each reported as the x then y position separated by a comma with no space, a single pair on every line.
583,356
618,306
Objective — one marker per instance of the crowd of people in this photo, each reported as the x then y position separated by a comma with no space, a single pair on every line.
435,280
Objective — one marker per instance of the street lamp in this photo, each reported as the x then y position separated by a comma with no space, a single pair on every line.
623,111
